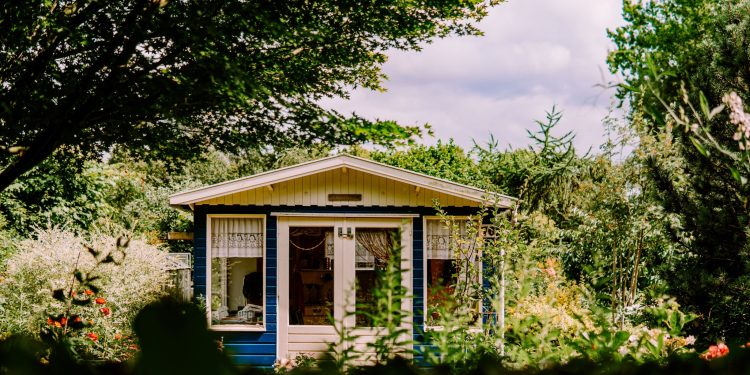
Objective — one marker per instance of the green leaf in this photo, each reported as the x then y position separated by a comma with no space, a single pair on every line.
620,338
704,105
93,278
736,175
82,302
59,295
699,147
93,252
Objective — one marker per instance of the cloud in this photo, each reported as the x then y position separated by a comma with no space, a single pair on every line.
534,54
472,61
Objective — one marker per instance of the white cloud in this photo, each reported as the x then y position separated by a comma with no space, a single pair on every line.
534,54
473,60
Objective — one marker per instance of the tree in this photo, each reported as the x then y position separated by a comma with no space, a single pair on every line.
700,45
443,160
541,176
173,77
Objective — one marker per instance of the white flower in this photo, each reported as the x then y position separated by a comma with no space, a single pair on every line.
739,118
690,340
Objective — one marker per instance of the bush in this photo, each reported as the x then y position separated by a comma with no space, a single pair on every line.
48,263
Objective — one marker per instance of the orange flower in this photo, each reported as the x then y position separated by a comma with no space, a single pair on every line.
73,293
93,336
89,292
50,321
64,321
106,311
118,336
77,319
58,325
100,301
715,351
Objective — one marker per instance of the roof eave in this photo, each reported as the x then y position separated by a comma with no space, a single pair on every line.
193,196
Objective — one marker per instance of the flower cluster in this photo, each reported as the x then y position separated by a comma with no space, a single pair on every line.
72,281
68,322
302,360
283,365
739,118
549,267
715,351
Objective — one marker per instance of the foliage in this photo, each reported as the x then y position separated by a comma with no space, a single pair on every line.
443,160
454,329
175,339
546,314
618,235
671,53
172,78
301,361
39,289
541,176
65,190
125,193
534,316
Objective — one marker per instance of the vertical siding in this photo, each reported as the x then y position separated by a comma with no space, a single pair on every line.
199,252
418,286
259,348
313,190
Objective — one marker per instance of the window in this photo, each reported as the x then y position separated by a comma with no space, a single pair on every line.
452,262
373,248
236,294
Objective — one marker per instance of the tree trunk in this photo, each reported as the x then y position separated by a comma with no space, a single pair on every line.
634,279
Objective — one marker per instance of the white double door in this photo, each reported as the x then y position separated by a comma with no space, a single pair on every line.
325,269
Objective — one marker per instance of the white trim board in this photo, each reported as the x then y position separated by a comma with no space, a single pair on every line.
334,214
269,178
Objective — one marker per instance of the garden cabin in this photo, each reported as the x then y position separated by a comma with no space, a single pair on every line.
278,252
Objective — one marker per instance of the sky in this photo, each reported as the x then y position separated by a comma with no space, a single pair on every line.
534,54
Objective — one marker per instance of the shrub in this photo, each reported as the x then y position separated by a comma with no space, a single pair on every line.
48,263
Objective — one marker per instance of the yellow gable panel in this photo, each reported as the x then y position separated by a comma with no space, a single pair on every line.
350,188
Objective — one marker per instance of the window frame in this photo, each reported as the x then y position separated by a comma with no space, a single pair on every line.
427,327
234,327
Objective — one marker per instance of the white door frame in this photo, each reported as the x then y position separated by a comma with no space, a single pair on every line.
343,271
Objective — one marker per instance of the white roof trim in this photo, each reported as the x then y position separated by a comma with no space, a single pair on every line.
338,214
321,165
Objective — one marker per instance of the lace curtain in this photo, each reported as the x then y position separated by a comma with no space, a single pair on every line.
441,243
236,238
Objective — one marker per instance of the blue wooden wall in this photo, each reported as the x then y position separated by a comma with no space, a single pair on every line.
259,348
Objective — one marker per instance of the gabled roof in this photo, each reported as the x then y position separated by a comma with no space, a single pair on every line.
187,198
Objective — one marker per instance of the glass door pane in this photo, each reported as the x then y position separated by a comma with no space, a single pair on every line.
311,275
373,248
